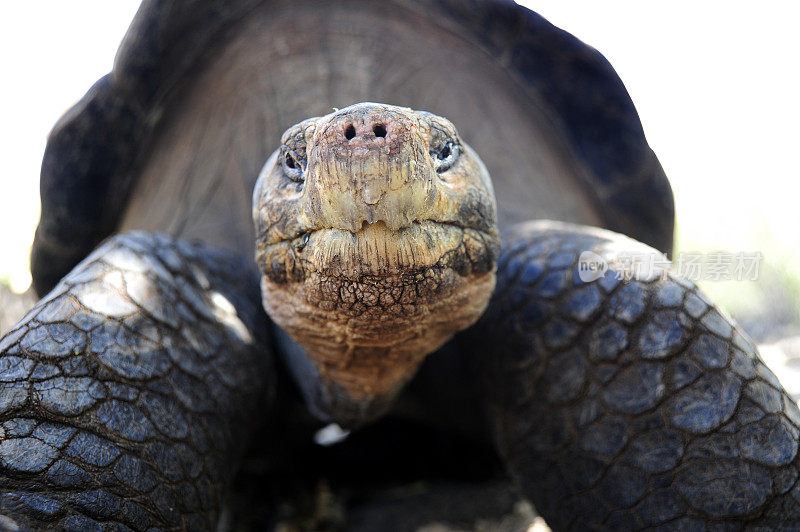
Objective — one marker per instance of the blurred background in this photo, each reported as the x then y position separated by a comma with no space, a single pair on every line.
716,86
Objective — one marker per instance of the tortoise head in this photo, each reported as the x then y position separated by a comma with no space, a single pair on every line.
377,240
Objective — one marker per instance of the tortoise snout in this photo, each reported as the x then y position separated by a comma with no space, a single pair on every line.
365,127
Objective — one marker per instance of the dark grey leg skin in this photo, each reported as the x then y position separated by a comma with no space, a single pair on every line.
127,394
631,404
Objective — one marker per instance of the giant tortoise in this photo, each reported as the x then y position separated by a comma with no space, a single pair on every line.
401,283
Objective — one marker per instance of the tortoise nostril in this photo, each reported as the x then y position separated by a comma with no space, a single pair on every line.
350,132
379,130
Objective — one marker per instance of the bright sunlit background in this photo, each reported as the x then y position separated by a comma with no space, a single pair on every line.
716,85
51,52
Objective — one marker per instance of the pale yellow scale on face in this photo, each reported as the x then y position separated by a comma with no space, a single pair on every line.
377,241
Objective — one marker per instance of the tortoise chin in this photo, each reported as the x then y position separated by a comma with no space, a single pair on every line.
387,298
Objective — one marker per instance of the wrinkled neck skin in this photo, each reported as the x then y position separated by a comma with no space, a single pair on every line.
377,242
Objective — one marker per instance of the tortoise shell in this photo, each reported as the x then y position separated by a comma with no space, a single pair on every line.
172,139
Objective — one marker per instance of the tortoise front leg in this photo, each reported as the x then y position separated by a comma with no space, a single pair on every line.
127,393
631,403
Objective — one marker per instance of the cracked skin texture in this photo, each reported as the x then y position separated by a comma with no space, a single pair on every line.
628,402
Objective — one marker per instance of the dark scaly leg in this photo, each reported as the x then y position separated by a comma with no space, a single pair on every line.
627,404
127,394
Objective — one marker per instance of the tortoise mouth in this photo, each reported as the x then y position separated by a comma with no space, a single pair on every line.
368,306
378,251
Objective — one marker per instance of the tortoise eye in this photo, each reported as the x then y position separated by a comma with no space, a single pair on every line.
292,166
445,156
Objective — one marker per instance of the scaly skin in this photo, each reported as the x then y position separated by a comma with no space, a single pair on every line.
127,393
627,404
